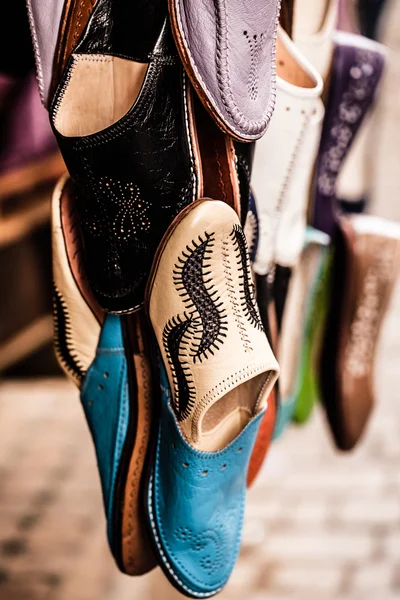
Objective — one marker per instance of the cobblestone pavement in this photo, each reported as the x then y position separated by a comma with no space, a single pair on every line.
319,525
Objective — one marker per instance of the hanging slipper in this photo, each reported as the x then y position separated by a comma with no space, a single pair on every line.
228,52
217,372
284,161
357,68
106,357
292,338
365,267
134,168
307,384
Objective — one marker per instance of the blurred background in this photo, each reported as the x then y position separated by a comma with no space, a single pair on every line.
319,524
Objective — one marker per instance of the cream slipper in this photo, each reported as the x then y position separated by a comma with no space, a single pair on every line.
285,158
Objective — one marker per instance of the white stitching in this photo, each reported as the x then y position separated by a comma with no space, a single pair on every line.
252,369
192,170
39,71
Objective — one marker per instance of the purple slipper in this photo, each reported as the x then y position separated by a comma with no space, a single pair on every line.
228,50
358,64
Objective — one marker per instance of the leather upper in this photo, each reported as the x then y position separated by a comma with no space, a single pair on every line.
229,51
196,504
132,179
205,318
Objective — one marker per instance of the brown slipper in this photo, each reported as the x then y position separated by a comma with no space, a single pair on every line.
365,268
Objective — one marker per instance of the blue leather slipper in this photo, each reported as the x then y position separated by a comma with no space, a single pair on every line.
217,371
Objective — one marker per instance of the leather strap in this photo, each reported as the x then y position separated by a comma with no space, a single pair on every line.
220,178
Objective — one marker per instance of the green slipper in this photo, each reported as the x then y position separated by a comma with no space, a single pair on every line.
307,388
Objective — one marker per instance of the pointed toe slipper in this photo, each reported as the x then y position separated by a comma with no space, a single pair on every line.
365,268
307,392
357,68
291,342
228,52
217,371
284,159
105,357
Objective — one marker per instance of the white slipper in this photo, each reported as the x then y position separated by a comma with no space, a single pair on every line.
285,157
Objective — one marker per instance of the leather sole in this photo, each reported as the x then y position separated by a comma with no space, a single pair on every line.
217,152
132,549
264,439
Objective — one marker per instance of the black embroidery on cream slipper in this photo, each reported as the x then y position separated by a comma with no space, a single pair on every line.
248,300
173,335
201,330
194,284
62,336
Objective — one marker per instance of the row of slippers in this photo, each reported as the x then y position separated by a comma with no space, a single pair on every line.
206,364
179,395
174,398
322,269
